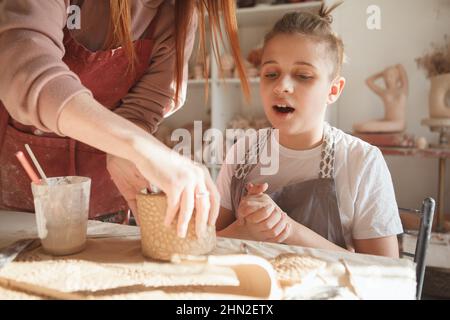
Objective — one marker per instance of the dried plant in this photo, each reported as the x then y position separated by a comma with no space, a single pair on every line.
437,61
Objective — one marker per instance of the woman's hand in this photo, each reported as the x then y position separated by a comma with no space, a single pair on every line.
127,179
264,220
188,187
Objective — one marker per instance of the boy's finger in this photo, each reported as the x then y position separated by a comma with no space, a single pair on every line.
272,220
276,230
247,209
257,200
282,236
254,189
261,214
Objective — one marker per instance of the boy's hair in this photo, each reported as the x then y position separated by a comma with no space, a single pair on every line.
316,26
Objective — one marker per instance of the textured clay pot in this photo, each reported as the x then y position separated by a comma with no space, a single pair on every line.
161,242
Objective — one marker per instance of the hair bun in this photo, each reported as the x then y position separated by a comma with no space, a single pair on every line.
328,18
325,13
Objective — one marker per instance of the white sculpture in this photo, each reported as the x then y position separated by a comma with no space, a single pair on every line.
394,95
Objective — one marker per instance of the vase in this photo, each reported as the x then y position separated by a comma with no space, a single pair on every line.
439,97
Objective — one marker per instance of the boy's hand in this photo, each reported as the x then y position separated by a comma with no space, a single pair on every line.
244,209
264,220
276,228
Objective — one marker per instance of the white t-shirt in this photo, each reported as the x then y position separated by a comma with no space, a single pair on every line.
365,193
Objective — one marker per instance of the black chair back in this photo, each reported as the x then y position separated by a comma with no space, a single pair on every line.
426,214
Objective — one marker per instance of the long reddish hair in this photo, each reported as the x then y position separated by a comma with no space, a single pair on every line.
120,33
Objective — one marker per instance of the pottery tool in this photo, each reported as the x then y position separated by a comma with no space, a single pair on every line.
28,169
36,163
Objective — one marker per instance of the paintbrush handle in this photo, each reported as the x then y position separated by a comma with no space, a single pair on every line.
36,163
27,166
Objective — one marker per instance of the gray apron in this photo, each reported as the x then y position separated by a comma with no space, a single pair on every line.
312,203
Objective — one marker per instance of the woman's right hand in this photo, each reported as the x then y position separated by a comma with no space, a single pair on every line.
188,187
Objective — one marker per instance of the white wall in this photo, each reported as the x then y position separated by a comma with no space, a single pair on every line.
408,27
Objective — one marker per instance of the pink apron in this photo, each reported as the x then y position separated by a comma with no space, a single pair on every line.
102,72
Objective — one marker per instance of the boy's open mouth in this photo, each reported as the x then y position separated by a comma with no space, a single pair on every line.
283,108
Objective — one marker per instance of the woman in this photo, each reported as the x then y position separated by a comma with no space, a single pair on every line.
88,100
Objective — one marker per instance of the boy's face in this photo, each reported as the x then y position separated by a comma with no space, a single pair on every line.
296,84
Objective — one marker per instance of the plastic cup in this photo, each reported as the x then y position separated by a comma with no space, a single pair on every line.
62,211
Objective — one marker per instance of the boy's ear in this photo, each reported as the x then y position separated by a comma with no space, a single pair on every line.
336,89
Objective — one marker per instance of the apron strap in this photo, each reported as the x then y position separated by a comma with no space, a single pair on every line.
237,185
326,170
4,117
326,163
251,156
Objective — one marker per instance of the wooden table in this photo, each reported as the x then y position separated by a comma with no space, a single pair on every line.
435,153
366,276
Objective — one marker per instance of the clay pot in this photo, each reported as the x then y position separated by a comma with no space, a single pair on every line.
161,242
439,96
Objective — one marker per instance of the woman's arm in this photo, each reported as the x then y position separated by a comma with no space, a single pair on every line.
87,121
35,83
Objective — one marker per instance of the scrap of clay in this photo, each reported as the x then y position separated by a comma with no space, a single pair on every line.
292,268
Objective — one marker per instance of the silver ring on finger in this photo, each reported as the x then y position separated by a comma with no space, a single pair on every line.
202,194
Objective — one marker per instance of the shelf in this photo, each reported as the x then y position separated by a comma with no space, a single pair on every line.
197,81
268,14
237,81
415,152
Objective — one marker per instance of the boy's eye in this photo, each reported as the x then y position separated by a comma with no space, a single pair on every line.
303,77
270,75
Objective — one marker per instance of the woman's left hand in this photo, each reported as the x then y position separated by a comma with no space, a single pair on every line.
127,179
